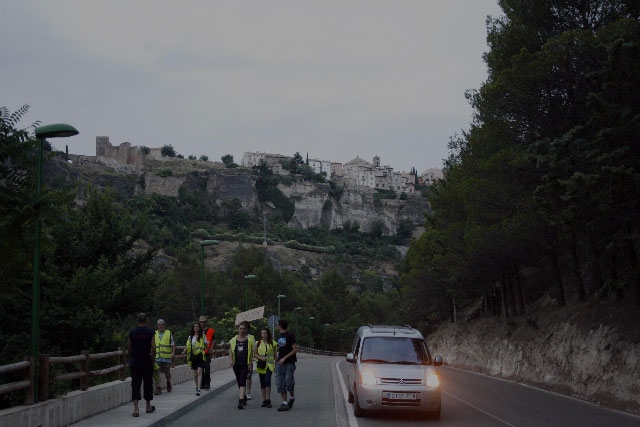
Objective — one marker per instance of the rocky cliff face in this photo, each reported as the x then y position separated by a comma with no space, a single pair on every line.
314,207
594,363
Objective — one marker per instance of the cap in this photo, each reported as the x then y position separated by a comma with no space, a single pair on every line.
202,319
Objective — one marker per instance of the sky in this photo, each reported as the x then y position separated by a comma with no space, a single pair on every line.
332,78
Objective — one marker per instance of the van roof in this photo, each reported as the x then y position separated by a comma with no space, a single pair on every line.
404,330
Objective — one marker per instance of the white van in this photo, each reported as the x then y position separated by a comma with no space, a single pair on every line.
391,369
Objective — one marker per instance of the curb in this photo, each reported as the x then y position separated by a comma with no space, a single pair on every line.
173,416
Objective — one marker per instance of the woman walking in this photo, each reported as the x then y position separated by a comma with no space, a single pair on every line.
266,354
241,359
196,354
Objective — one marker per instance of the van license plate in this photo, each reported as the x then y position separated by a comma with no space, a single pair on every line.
404,396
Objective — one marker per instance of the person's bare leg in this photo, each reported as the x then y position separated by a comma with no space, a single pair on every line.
199,377
241,392
136,410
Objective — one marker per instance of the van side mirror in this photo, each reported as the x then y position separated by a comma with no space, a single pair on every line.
350,358
437,361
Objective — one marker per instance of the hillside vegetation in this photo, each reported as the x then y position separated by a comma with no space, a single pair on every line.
541,196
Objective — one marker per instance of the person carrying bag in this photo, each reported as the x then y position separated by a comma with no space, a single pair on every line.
195,349
265,353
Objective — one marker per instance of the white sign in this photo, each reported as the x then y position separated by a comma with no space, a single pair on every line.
253,314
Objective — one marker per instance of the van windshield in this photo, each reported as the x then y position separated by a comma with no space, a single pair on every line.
396,350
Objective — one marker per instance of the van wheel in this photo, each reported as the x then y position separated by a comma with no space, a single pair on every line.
357,410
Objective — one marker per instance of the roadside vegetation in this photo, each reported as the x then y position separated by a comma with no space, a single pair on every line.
541,195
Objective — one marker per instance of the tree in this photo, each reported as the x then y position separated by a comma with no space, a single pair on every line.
191,157
296,163
204,158
227,159
167,151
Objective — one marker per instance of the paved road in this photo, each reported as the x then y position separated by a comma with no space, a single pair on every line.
470,399
314,407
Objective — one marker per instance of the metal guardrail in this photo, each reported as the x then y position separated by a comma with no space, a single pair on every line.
308,350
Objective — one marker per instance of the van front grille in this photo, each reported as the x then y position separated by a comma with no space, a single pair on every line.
401,381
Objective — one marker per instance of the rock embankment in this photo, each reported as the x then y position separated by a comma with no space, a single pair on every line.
594,363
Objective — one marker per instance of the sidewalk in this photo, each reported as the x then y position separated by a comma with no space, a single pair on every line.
169,406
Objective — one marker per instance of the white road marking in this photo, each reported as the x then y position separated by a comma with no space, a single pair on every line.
345,393
478,409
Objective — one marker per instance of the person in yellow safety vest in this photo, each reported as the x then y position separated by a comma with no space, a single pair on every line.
165,354
241,359
266,354
195,352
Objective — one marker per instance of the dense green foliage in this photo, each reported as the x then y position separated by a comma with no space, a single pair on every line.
542,193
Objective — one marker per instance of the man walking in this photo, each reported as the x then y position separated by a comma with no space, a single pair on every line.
209,348
287,349
165,353
142,352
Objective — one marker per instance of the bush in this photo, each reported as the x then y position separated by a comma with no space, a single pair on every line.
168,151
164,173
204,158
145,149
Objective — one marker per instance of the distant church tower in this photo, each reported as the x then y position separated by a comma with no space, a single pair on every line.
376,161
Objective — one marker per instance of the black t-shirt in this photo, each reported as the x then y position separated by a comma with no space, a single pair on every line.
241,350
141,341
285,346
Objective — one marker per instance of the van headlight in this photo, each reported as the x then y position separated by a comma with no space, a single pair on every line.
432,380
368,378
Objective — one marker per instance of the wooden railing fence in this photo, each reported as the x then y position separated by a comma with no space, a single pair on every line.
27,367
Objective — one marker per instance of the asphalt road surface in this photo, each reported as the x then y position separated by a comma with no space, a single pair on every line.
314,406
468,399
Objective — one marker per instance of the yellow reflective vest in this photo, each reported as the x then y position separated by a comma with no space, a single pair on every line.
269,350
197,349
163,346
232,348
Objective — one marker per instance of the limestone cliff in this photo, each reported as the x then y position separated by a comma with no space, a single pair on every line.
314,207
314,204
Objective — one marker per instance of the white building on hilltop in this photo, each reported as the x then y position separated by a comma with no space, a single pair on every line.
360,173
430,176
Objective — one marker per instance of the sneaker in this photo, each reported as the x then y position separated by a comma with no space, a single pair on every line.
244,401
197,392
283,407
291,401
240,406
249,396
268,404
264,404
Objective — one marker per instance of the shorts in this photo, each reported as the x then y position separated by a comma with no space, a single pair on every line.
284,377
241,372
165,367
200,364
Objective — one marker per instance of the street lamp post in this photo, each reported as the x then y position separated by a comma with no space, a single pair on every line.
311,318
326,325
341,331
296,311
204,243
59,130
273,332
246,290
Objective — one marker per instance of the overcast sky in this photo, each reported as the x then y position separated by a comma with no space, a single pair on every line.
335,79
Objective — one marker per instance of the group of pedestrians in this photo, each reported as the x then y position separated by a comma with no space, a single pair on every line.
270,357
153,353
